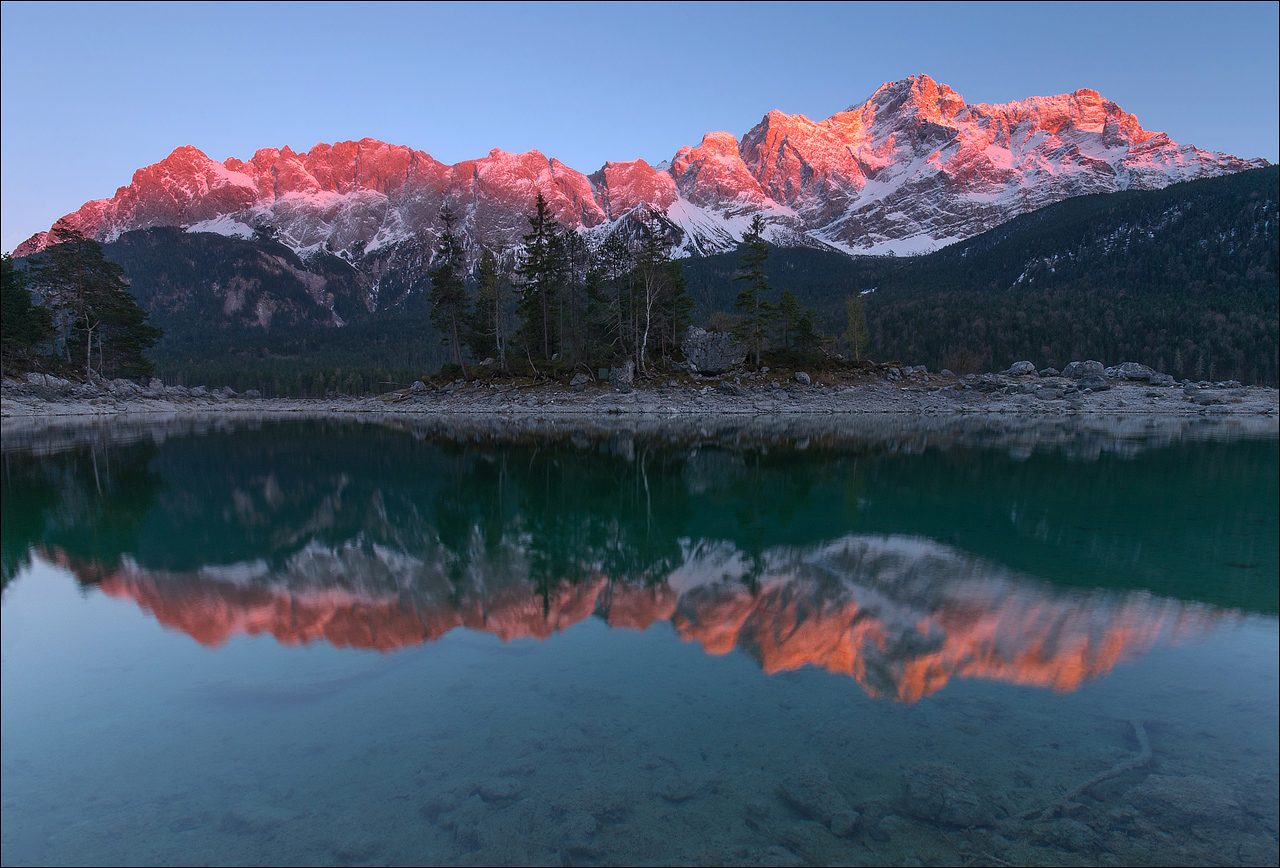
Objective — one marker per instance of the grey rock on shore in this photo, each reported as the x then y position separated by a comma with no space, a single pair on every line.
711,352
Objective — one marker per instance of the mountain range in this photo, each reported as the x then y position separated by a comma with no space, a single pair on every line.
911,169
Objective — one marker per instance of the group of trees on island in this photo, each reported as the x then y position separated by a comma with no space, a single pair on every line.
87,324
564,305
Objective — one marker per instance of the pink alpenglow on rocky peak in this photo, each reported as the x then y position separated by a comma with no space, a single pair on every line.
909,170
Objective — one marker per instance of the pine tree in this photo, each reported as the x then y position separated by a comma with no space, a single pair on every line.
618,277
23,327
92,308
541,272
486,329
448,292
752,301
855,333
576,299
796,325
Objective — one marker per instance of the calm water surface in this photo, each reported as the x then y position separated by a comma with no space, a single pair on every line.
320,643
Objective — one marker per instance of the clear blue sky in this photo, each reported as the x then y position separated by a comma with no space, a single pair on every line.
92,92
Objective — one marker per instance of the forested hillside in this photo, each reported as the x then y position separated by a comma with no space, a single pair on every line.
1183,279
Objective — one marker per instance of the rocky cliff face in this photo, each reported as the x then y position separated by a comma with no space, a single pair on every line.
912,168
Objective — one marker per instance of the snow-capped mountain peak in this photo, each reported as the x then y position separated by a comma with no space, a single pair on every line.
908,170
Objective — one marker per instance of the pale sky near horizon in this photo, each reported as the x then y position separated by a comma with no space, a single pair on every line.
91,92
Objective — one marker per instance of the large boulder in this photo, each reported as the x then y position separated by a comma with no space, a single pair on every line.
1021,369
711,352
48,381
1129,371
1096,382
622,376
1076,370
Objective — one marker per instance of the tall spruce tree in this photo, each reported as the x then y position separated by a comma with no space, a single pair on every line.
752,301
23,326
617,275
97,318
797,333
449,292
855,332
541,272
487,328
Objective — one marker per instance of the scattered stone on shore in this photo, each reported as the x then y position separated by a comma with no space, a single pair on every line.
1129,371
864,387
1076,370
1020,369
1096,382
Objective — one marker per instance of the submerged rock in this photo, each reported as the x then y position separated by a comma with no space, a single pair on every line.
1189,801
811,792
1071,835
576,832
940,794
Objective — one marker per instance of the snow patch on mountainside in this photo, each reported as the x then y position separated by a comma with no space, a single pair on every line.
227,225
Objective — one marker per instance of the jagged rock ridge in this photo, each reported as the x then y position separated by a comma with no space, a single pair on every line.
912,168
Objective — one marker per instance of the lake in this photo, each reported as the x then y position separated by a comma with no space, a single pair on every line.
787,642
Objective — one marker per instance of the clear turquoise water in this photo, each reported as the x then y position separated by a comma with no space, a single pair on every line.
330,644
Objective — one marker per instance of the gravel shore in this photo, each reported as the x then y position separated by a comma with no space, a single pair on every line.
1019,414
685,396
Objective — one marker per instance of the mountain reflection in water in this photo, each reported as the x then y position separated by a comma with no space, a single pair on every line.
900,615
902,559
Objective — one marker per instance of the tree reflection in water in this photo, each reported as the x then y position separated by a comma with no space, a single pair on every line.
900,570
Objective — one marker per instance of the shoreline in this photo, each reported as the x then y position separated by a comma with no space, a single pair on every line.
986,394
1000,411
